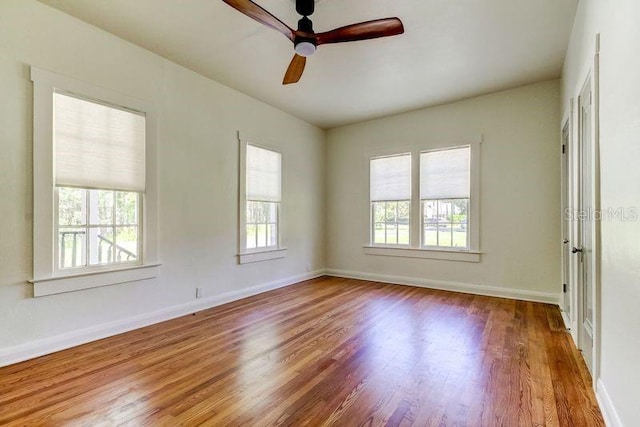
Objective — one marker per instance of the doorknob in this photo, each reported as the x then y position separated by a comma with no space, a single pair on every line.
576,250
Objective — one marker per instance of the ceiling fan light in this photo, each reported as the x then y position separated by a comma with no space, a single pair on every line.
305,48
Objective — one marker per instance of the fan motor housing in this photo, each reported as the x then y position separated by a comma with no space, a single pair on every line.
305,46
305,25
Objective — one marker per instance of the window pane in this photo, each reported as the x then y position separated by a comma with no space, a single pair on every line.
460,209
251,236
262,224
391,222
445,223
251,218
378,212
444,210
261,229
391,234
403,212
390,209
102,241
403,234
72,247
126,208
101,245
72,206
430,235
254,214
100,207
126,244
272,236
430,211
460,236
260,212
444,235
378,232
272,211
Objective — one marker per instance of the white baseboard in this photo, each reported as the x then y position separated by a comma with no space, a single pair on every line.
565,319
31,350
470,288
571,326
609,413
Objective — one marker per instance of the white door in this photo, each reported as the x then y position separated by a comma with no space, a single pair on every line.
566,227
584,247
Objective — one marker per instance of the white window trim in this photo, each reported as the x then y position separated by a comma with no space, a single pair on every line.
470,254
47,279
264,255
245,255
93,279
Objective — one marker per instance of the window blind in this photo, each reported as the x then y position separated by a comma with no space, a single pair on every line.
445,174
263,174
391,178
98,146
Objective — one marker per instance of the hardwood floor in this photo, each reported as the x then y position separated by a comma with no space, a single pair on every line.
327,351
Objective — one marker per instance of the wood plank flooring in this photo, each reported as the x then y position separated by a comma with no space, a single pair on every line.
329,351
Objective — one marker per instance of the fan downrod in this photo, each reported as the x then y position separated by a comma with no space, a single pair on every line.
305,7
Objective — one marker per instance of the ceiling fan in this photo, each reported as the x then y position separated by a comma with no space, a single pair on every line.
306,41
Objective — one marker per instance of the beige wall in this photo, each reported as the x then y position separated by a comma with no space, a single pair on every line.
198,177
520,182
617,22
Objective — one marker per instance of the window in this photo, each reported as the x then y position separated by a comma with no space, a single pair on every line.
391,200
444,197
260,203
99,178
95,189
424,204
263,197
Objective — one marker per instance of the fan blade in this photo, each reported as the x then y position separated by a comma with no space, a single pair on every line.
254,11
294,72
362,31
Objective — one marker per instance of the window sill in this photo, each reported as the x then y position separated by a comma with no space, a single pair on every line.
94,279
265,255
441,254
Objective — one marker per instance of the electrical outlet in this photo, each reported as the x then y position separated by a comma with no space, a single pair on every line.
198,292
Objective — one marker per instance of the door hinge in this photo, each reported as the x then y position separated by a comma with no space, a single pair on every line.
564,288
564,148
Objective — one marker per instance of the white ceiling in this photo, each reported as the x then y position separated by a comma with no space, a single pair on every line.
451,49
